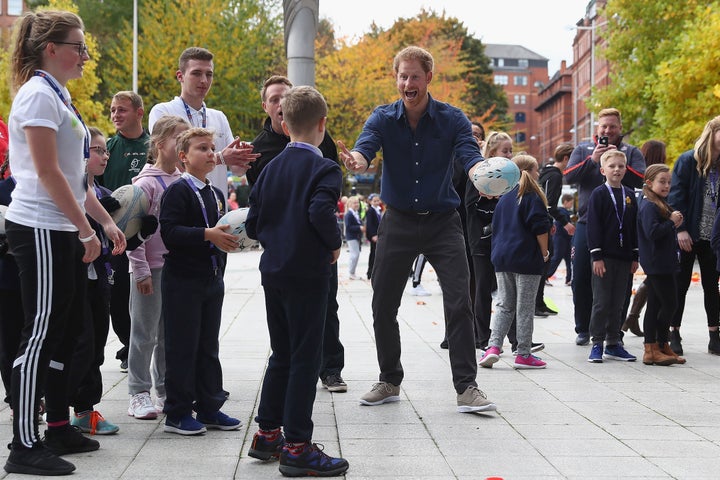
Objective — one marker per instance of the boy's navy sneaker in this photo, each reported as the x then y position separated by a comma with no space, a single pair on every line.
185,425
596,353
68,439
38,460
582,339
310,460
265,447
618,352
219,421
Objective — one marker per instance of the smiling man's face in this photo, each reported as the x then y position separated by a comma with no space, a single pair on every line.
412,83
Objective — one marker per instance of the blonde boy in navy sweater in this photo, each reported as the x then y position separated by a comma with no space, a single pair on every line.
612,241
292,214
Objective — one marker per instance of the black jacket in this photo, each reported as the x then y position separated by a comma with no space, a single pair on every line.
551,179
269,145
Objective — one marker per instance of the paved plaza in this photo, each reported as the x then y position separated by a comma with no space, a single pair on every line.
573,420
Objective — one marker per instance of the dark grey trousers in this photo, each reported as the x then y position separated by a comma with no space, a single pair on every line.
439,236
609,296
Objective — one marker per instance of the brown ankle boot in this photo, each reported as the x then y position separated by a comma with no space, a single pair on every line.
665,348
632,322
653,355
648,354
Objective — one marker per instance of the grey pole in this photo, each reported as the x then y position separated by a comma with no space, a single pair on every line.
301,20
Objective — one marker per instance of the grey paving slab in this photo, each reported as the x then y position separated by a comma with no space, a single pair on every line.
573,420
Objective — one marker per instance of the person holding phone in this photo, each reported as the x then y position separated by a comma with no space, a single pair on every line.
583,169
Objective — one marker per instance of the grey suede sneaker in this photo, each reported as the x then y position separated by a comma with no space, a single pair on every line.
474,400
381,392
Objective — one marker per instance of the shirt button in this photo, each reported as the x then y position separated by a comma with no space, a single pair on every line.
416,200
417,181
416,163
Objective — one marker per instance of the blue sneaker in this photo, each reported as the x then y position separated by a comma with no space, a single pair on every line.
219,421
309,459
185,425
582,339
596,354
265,447
618,352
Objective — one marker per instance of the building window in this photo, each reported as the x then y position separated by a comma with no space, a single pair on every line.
520,80
520,137
520,99
501,79
14,7
523,63
501,62
520,117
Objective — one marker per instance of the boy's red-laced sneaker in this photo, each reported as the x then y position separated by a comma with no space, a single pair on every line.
267,445
308,459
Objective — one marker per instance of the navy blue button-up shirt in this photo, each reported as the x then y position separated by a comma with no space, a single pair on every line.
418,166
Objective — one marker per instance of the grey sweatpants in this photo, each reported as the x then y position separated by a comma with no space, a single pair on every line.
147,339
516,299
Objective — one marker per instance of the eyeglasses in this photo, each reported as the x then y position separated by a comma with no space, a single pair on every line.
82,49
101,150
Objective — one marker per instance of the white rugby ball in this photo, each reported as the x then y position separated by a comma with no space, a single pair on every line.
236,220
134,204
496,176
3,209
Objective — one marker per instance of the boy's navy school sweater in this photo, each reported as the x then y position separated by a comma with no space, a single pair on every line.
657,241
182,227
515,227
603,226
292,214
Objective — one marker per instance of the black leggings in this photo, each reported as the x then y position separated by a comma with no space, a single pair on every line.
661,306
708,276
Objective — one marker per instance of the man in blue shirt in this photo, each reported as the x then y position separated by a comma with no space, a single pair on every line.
420,138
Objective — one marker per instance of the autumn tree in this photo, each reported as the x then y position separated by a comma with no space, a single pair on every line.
687,91
82,90
649,43
244,35
357,77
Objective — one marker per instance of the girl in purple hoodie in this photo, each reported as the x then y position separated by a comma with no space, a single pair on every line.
146,324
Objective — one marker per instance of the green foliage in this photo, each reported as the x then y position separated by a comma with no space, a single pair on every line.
244,35
688,88
664,63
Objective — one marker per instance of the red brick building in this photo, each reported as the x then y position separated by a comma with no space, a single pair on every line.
563,107
10,10
520,71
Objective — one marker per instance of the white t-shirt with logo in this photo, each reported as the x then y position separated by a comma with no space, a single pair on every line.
215,121
38,105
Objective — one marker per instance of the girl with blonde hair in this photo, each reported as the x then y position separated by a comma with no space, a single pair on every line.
520,229
694,193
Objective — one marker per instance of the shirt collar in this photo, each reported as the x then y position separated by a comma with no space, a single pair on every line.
198,183
306,146
430,110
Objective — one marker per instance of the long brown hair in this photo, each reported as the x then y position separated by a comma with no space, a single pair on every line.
32,34
527,183
651,173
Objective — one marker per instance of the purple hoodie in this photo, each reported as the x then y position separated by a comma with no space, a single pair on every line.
149,255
